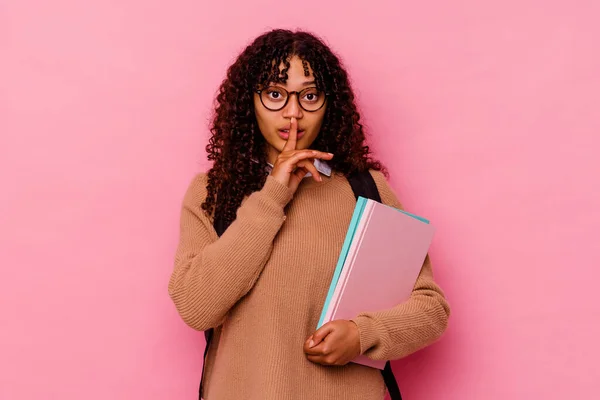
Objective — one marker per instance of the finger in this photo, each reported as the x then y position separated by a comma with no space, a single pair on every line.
316,359
323,360
290,144
322,332
308,343
304,154
322,348
314,351
308,165
300,172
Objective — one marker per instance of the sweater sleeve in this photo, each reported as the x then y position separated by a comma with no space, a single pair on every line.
410,326
212,273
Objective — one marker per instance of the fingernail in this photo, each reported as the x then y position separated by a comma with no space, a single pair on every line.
311,343
330,154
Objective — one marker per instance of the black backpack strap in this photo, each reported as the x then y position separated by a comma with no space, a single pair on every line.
208,335
390,382
364,185
220,227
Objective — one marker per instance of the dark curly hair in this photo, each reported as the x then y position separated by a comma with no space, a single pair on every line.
237,147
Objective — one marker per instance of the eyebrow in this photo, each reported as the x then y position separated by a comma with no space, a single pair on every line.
303,84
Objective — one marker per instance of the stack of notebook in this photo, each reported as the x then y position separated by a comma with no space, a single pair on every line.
378,266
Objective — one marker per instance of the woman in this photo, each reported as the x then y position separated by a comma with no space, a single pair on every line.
285,136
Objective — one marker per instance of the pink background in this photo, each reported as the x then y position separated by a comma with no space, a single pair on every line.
486,114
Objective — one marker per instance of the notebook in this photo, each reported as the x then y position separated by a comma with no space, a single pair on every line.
379,263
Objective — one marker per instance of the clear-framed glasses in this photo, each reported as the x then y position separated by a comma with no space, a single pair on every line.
274,98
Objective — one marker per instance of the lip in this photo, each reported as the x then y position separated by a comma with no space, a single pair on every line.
286,135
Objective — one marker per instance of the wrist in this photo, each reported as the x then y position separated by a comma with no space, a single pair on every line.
355,335
367,332
277,191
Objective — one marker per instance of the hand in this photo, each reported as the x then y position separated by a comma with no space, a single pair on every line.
335,343
292,165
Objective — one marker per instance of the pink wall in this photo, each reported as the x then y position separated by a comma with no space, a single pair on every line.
486,113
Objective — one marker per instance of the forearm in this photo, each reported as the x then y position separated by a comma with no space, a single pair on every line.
210,274
402,330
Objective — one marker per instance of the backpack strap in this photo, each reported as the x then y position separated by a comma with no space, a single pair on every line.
364,185
208,335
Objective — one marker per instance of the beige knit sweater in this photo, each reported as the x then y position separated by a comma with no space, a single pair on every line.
263,283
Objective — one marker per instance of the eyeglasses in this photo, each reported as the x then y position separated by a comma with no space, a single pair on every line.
275,98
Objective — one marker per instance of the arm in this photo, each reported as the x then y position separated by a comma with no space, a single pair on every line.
211,274
397,332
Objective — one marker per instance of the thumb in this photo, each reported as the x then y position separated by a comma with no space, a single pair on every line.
321,333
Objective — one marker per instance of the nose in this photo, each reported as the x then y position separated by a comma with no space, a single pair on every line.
292,108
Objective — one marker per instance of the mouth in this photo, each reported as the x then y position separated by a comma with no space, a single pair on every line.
285,134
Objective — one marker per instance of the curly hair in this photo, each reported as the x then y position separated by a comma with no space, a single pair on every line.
237,147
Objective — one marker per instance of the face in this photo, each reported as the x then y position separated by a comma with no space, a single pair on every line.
274,125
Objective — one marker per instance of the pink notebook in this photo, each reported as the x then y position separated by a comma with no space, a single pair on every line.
382,264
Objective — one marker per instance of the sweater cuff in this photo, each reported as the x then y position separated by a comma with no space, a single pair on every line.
277,191
367,331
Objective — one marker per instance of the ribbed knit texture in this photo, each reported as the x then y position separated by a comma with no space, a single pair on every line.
264,282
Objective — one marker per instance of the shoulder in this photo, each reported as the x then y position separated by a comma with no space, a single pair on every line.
197,190
387,193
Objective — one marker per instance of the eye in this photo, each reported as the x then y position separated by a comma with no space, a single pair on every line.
274,94
311,96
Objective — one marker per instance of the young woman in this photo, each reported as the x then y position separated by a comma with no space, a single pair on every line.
285,136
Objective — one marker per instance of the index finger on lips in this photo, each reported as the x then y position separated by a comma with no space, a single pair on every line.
290,144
